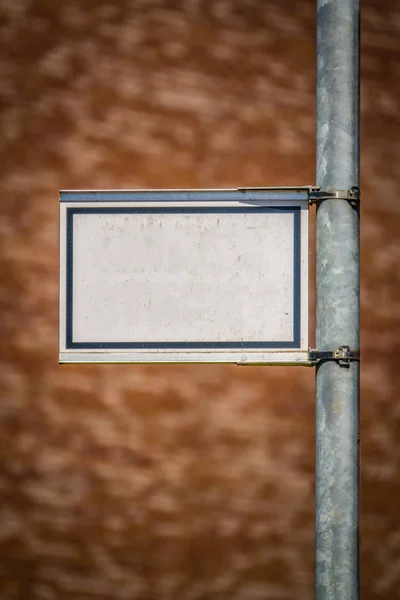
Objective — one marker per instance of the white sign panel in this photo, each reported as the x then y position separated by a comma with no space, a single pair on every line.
184,276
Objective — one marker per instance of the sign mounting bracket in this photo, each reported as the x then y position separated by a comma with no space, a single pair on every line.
317,195
343,355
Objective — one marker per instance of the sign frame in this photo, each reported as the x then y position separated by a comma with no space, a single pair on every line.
291,199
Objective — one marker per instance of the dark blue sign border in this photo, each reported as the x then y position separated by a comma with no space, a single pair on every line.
294,343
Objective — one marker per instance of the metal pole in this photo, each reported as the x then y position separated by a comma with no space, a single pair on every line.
338,292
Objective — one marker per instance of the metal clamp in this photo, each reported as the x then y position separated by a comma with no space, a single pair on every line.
352,195
343,355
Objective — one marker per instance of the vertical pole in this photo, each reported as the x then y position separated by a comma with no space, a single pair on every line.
337,281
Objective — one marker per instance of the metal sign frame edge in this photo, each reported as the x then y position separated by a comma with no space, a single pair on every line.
265,356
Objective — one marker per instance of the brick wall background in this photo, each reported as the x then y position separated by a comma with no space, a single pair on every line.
191,482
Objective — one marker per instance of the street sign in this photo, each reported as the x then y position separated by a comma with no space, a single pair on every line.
184,276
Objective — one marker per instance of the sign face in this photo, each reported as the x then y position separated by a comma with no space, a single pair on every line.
184,276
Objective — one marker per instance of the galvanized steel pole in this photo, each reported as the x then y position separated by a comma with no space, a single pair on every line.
338,317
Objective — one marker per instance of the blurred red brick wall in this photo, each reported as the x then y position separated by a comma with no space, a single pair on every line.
126,482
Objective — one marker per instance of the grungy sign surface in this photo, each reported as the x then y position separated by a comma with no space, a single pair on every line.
184,276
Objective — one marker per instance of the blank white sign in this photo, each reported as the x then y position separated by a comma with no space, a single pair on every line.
176,280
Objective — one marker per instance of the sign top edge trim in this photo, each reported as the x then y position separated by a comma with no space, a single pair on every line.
300,194
300,188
